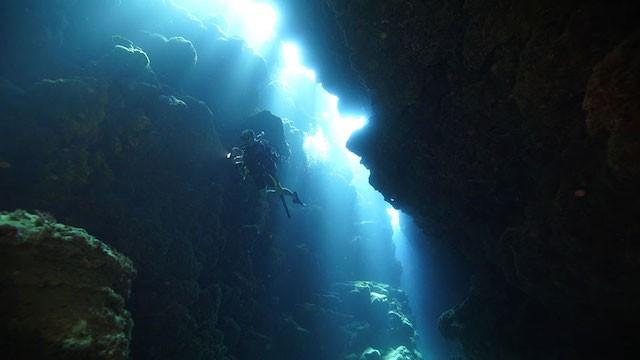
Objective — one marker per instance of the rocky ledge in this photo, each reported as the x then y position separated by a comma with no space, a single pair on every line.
63,292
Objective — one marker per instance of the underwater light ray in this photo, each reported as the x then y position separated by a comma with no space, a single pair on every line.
394,215
293,72
326,146
291,55
256,22
317,146
344,127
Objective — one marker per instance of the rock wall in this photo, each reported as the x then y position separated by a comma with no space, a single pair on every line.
63,292
144,169
509,132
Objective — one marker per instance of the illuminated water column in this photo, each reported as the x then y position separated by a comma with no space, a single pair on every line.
257,23
411,281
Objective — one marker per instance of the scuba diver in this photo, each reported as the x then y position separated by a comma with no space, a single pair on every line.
258,159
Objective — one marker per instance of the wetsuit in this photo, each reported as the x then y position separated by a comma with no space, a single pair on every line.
260,158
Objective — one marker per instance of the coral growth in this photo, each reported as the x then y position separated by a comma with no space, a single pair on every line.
63,292
370,318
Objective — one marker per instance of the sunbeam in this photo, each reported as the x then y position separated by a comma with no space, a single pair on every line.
256,22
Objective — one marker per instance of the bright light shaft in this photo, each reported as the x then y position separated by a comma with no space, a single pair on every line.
254,21
293,69
334,130
395,218
317,146
258,21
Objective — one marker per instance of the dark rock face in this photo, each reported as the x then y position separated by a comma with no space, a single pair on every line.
509,131
612,111
107,157
63,292
109,151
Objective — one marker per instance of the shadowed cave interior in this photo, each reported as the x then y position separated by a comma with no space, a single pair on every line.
469,172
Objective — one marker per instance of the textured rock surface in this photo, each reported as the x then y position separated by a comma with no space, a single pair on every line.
355,320
613,110
63,292
509,132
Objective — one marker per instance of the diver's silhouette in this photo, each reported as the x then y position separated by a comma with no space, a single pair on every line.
258,159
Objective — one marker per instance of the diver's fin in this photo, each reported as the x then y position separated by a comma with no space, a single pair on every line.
296,199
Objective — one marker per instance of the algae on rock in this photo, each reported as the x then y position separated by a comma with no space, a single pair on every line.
63,291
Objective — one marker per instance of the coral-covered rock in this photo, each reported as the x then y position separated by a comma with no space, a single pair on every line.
402,353
111,158
170,58
63,292
371,354
356,317
126,62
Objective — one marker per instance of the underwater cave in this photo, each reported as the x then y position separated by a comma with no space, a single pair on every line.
319,179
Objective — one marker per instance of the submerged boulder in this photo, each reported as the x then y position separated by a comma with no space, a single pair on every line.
63,292
170,58
125,61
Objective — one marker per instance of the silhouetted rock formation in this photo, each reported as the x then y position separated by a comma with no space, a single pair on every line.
509,132
63,292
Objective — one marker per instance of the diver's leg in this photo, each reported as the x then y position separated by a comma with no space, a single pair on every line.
294,196
284,191
274,185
